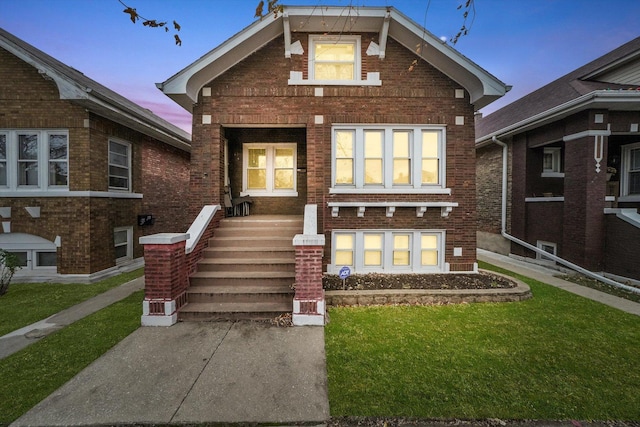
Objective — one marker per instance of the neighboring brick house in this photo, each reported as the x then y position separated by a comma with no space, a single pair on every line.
573,167
78,165
357,110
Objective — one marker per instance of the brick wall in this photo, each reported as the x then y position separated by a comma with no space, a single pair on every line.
622,246
85,225
256,92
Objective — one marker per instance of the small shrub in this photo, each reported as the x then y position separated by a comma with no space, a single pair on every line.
8,266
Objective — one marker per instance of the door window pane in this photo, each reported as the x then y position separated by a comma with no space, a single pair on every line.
257,169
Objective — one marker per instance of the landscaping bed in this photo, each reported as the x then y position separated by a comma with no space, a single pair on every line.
423,289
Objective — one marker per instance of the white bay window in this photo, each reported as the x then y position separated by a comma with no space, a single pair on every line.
378,159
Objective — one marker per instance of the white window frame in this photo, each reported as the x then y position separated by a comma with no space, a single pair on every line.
416,186
128,146
128,243
270,191
541,244
556,160
43,161
387,267
626,169
341,39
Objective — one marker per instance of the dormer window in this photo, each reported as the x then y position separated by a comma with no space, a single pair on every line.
334,58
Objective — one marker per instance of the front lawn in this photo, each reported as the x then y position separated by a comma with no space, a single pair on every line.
555,356
27,303
38,370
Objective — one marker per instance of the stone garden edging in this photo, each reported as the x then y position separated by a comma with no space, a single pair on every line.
429,296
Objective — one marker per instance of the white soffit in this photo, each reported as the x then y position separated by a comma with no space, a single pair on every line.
483,87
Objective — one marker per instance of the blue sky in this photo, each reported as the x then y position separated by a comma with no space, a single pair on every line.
525,43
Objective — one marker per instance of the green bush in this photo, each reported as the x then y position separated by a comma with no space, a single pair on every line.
8,266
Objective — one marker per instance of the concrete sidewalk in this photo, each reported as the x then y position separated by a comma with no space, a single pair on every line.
547,275
222,372
21,338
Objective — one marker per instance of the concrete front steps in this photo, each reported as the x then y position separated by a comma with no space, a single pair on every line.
247,272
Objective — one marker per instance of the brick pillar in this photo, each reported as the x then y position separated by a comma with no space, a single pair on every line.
165,278
308,303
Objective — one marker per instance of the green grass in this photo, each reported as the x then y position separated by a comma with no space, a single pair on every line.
38,370
27,303
555,356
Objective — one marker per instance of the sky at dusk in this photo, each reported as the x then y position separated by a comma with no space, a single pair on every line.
524,43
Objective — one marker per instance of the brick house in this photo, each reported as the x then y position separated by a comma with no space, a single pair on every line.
573,168
79,166
357,111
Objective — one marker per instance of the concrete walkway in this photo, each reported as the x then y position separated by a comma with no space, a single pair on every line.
222,372
21,338
547,275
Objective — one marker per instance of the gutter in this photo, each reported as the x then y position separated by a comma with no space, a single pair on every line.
529,246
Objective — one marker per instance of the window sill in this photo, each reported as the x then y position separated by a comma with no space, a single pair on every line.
269,194
544,199
425,190
67,193
632,198
295,79
552,174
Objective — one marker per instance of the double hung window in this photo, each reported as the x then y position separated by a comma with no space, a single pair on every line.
334,58
388,251
119,165
123,243
269,169
631,170
34,160
388,158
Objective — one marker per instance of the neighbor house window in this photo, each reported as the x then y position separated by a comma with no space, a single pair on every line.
119,165
547,247
388,251
334,58
34,160
388,157
123,243
552,162
631,170
269,169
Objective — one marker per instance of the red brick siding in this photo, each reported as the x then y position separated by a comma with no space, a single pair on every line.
622,246
85,225
256,92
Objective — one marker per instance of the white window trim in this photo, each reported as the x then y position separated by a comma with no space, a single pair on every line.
387,253
43,160
128,243
129,161
270,191
341,39
416,186
556,168
624,176
540,244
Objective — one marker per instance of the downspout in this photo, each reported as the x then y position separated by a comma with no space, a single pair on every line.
536,249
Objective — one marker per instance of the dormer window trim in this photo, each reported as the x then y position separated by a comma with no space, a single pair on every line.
314,40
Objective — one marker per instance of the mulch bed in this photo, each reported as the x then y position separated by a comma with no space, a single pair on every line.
375,281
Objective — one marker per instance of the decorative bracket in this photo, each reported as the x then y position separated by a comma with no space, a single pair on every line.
335,211
390,211
361,210
420,210
445,211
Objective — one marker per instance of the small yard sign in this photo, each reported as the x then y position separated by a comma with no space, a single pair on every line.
344,273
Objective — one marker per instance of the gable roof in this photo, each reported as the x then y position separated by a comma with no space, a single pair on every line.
609,82
483,87
80,89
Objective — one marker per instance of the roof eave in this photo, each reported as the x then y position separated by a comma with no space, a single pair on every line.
605,99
